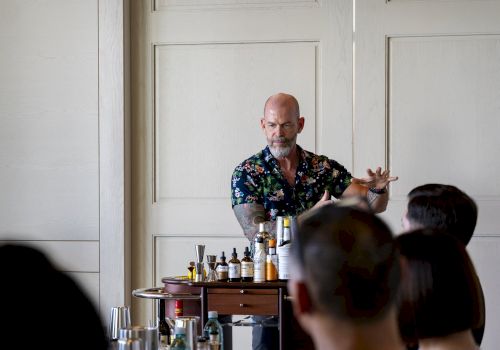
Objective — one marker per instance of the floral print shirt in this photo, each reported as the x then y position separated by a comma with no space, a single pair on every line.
259,179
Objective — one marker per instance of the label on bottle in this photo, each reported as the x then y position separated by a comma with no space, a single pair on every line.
247,269
222,272
234,270
283,262
259,263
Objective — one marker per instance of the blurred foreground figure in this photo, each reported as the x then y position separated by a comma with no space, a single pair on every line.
451,210
345,280
42,307
439,292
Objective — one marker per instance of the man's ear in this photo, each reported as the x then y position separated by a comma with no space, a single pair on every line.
301,299
301,123
262,123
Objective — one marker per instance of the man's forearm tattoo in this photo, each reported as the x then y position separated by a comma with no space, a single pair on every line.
249,216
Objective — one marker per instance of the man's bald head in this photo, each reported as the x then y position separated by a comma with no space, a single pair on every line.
282,100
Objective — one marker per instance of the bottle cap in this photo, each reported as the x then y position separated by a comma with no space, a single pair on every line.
235,255
213,314
286,221
246,252
223,257
272,243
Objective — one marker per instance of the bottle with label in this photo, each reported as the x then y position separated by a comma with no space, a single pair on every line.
222,269
247,267
234,272
272,262
284,251
259,259
180,341
179,308
213,330
163,327
266,236
279,230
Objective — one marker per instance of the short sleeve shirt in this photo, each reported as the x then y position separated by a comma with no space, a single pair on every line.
259,179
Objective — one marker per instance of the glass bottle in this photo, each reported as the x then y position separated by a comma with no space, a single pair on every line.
284,252
180,341
259,260
247,267
266,236
279,229
272,262
234,272
222,269
163,327
213,330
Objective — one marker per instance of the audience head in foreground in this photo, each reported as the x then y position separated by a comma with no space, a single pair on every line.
345,279
449,209
43,306
441,206
439,292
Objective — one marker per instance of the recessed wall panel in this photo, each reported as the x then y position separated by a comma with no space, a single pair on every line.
209,100
193,4
444,103
49,120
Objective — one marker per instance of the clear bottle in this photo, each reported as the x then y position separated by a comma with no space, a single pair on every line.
272,262
279,230
266,236
222,269
234,273
284,252
247,267
259,260
180,341
213,330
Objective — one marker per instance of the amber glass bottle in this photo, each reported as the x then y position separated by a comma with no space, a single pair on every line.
234,268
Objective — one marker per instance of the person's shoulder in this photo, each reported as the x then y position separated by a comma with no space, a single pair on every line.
251,163
310,156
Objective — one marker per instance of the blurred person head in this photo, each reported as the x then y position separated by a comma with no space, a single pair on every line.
441,206
345,278
439,295
43,305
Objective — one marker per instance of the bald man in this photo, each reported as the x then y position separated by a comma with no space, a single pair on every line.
285,180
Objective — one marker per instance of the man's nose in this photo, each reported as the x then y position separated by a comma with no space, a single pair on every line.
280,130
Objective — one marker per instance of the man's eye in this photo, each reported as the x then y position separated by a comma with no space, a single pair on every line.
271,125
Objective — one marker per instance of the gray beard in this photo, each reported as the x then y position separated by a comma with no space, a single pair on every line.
280,152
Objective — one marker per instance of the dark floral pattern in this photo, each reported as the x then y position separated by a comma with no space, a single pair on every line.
259,179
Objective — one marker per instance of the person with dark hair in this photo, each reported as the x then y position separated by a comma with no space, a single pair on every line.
443,207
447,208
440,295
345,279
42,307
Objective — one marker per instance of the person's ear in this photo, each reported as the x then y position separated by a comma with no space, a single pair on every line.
301,122
301,300
262,123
